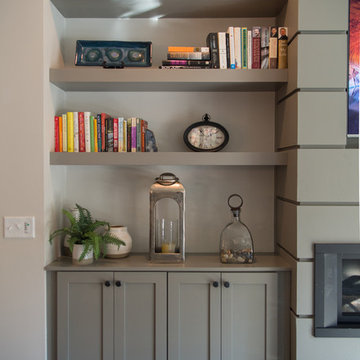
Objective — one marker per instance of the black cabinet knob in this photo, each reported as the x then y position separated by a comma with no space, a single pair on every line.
226,284
215,284
118,283
107,283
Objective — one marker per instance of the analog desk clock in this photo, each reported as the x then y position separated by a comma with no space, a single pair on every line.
206,135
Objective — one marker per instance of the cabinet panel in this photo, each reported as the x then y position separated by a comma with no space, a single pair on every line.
318,61
249,316
85,316
312,118
194,316
140,316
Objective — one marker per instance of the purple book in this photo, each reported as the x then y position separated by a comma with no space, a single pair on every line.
133,134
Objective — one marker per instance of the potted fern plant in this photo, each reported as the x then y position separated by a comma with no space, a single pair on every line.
86,237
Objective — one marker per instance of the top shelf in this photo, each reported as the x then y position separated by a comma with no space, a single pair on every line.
169,8
152,79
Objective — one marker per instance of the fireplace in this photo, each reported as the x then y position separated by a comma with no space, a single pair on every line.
337,290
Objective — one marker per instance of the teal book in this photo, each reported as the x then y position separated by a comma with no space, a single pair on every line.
244,48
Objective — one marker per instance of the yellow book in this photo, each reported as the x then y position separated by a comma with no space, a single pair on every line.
60,134
70,131
95,136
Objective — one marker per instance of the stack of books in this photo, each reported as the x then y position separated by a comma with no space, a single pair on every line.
83,132
187,57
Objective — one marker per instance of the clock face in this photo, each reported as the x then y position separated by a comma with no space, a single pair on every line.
206,135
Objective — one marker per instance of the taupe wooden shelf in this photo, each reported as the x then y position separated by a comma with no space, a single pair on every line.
193,262
171,158
153,79
169,9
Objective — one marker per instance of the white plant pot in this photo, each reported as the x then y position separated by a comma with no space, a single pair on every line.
115,252
77,251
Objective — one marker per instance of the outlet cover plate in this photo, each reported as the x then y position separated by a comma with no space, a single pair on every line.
19,227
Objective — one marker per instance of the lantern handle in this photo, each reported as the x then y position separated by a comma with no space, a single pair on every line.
167,179
235,207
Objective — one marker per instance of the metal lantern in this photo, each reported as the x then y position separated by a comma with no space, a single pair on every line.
167,219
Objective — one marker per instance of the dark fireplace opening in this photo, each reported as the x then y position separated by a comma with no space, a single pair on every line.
337,290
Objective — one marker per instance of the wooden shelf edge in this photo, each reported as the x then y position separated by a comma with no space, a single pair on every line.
171,158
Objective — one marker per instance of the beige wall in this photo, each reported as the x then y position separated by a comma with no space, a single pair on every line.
22,279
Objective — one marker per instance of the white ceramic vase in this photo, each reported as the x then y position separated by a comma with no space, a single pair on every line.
113,251
77,251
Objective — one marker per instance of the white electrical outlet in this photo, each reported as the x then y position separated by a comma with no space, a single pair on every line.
19,226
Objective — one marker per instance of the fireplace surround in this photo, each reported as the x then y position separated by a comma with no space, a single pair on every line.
337,290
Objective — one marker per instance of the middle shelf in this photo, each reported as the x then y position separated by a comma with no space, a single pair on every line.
171,158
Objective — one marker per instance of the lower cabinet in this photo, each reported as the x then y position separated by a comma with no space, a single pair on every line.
167,316
227,316
106,316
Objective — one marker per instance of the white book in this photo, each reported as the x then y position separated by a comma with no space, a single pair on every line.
222,50
76,131
249,49
64,128
237,47
87,131
230,31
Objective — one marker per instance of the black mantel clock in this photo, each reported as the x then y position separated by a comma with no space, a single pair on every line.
206,135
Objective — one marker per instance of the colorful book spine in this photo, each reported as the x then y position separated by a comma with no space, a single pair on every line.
230,31
222,50
144,126
87,131
237,47
244,47
213,44
70,131
138,134
125,135
99,135
95,134
65,136
187,49
283,48
60,134
92,134
264,47
128,135
249,50
256,47
76,131
103,116
120,134
116,134
273,48
196,55
109,126
56,133
133,134
81,120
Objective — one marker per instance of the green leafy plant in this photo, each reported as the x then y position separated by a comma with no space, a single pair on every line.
93,234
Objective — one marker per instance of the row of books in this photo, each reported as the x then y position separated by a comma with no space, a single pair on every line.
83,132
261,47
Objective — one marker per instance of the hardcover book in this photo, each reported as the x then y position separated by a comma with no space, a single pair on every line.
222,50
70,131
264,49
56,132
87,131
244,48
133,134
256,47
273,48
64,128
116,134
212,43
92,135
237,47
76,131
195,55
81,120
95,134
109,130
99,135
103,118
283,48
60,134
249,50
188,49
230,31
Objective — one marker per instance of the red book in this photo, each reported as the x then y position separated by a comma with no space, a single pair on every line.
116,134
81,131
144,125
256,47
56,133
103,135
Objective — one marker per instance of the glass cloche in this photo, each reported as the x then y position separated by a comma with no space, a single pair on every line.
236,244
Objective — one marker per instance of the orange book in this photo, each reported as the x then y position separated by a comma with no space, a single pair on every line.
60,134
186,49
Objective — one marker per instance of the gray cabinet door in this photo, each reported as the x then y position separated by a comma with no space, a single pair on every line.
140,311
194,316
249,316
85,316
